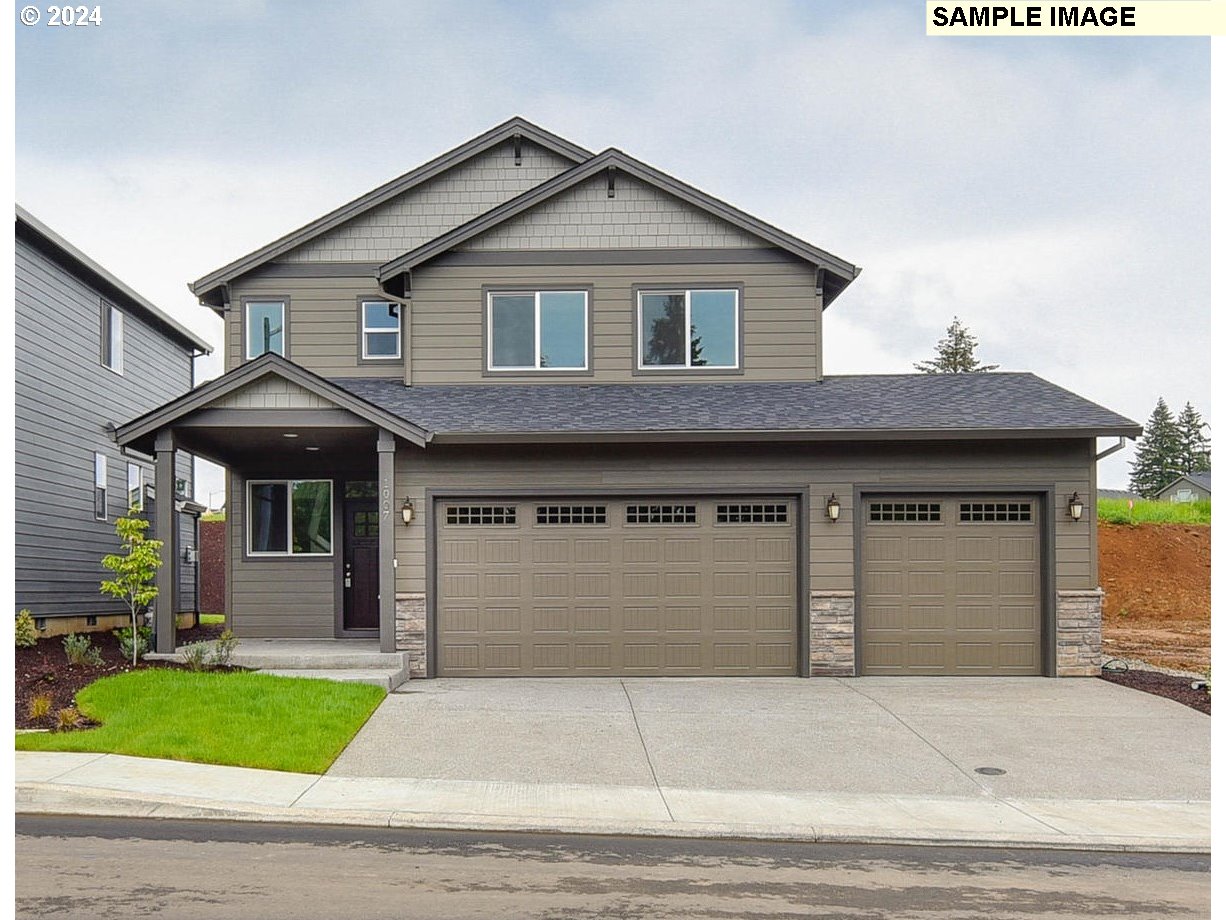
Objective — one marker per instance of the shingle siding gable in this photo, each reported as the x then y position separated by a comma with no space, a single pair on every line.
637,217
433,208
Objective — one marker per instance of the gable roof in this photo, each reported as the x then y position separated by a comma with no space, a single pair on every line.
1201,480
36,232
861,407
207,287
141,429
841,272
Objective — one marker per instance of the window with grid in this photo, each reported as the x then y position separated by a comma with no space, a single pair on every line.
752,513
572,514
661,514
481,514
994,512
904,512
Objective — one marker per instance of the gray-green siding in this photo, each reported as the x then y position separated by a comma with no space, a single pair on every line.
64,399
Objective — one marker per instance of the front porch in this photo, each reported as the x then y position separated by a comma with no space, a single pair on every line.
346,660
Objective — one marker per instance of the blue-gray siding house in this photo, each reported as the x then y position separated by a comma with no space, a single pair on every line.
90,354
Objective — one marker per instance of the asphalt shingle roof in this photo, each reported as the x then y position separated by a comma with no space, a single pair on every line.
946,404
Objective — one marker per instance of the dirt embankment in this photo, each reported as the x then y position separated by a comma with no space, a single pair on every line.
1156,577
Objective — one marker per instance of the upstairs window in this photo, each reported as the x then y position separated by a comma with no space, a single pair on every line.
537,331
99,487
380,330
289,517
136,487
265,327
112,338
689,329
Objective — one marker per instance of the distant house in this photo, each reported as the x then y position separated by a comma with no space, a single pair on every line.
1118,494
1191,487
90,353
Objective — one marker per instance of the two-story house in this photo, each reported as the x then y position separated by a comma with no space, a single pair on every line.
90,354
529,410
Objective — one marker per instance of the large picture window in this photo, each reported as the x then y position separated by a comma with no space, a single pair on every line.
380,330
689,329
289,517
265,327
537,331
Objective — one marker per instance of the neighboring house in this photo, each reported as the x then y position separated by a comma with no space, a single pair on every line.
90,354
527,410
1191,487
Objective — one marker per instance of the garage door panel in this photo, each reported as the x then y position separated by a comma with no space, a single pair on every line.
643,587
950,585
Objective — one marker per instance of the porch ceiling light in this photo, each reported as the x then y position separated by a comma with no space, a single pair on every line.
406,512
290,434
311,447
1075,507
833,508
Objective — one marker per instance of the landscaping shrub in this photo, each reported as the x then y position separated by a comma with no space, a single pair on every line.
196,656
27,632
67,719
39,707
144,635
81,650
223,649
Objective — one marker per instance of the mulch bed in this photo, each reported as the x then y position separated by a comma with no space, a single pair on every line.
43,669
1174,688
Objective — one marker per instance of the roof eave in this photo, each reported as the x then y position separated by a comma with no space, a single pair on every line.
205,286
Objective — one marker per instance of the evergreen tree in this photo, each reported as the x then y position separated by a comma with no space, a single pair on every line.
1193,444
1157,458
955,353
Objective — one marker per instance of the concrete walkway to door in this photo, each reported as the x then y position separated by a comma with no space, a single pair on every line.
1068,739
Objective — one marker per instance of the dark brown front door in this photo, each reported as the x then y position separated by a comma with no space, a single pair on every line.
361,564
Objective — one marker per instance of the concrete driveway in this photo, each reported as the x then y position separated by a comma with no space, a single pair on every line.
1079,739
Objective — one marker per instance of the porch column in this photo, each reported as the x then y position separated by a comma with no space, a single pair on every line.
166,606
389,517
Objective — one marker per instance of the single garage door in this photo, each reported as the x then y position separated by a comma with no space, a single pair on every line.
641,587
951,585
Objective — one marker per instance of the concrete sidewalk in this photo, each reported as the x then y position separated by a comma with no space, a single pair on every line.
110,784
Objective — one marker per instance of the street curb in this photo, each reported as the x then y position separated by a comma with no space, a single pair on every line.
53,799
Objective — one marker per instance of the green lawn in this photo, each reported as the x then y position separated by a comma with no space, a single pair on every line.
212,619
1115,511
238,718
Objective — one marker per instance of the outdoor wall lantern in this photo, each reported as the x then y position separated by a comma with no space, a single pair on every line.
1075,507
832,508
406,512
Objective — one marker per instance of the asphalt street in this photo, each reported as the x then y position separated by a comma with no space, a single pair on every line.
121,868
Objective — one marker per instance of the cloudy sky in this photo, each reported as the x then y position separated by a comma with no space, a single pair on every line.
1053,193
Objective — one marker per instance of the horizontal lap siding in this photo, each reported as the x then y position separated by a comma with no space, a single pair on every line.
817,470
64,399
323,323
780,317
276,597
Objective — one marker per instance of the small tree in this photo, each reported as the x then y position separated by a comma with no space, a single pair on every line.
134,569
955,353
1157,458
1193,454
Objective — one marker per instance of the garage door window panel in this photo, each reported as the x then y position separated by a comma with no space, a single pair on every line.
662,514
994,512
481,515
904,512
572,514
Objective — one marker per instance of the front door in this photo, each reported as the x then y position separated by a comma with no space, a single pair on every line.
361,564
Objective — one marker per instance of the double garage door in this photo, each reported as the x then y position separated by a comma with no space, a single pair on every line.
950,585
684,586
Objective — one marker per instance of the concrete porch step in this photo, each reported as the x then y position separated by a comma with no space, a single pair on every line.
308,654
389,680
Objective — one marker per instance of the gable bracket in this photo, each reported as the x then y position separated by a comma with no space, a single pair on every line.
821,281
612,172
519,157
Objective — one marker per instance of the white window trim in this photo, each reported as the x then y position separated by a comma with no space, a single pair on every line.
366,331
100,473
736,331
289,522
247,329
536,320
140,487
112,319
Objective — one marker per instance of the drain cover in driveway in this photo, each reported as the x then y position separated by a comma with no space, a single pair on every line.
990,771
